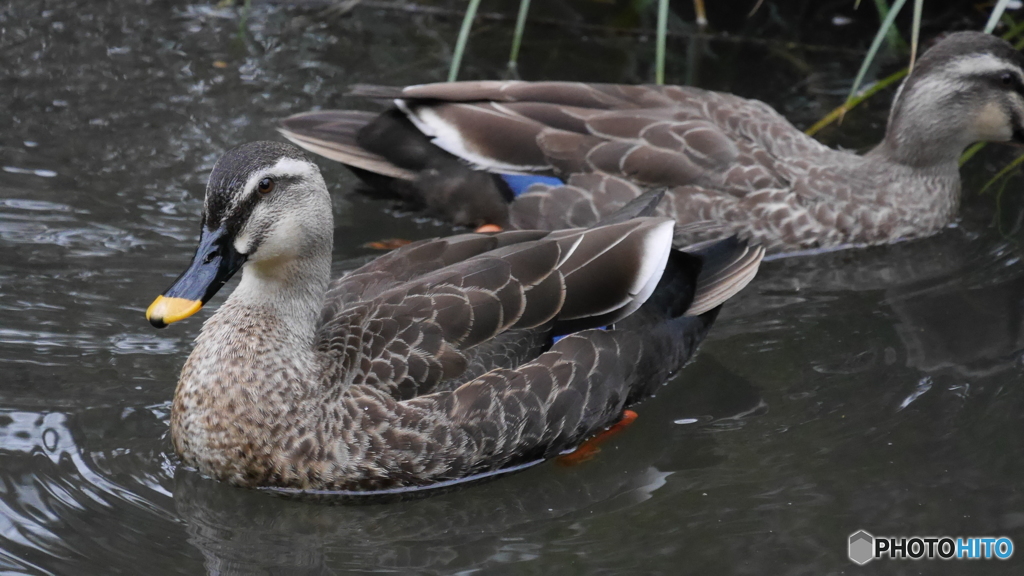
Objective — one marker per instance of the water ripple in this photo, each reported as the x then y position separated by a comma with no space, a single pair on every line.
35,172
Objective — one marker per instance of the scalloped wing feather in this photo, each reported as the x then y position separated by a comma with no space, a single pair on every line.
432,301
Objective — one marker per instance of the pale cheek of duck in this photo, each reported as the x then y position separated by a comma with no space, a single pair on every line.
993,123
278,241
273,233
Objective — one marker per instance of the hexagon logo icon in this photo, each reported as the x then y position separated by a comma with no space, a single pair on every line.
861,547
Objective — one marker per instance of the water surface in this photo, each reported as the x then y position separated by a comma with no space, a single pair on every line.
877,389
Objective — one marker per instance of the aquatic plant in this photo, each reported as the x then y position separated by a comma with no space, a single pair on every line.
517,37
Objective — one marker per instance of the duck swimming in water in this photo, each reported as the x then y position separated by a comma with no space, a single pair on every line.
553,155
440,360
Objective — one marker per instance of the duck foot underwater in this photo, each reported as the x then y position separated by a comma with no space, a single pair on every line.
440,360
555,155
586,451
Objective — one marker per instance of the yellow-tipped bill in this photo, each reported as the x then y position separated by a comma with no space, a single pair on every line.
214,262
166,310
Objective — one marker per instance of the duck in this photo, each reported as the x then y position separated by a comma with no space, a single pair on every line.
554,155
442,360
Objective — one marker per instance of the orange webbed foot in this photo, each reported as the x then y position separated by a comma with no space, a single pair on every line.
591,447
387,244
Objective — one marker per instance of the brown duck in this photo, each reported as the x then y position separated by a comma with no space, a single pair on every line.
438,361
577,152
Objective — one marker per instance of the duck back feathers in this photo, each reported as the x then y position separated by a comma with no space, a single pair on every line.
723,158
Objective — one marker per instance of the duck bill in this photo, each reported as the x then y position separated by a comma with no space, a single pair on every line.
1018,138
215,261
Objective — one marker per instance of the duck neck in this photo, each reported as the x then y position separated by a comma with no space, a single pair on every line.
921,187
920,147
927,127
284,298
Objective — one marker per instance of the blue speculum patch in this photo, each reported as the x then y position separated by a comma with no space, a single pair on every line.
557,338
520,182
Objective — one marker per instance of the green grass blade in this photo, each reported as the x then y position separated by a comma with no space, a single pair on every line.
1014,31
875,45
970,152
891,33
1006,170
701,13
517,36
659,63
460,44
915,32
850,103
244,20
997,13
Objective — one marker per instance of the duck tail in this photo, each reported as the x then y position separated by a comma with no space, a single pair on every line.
375,91
672,323
397,161
699,278
727,266
334,134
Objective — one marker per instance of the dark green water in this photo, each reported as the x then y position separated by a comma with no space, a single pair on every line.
877,390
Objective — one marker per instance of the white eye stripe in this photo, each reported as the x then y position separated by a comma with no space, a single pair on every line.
955,77
980,65
293,167
283,168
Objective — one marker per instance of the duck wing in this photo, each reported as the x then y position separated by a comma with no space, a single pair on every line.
553,401
413,260
409,329
679,123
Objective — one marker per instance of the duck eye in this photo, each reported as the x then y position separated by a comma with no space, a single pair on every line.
1007,79
265,186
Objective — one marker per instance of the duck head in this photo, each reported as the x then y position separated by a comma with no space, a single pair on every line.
267,209
967,88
